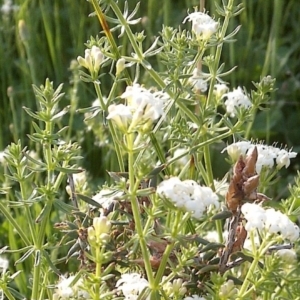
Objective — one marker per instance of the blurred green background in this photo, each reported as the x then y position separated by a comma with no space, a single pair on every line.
54,32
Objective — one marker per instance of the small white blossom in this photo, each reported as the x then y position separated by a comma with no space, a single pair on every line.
132,285
188,195
202,24
92,60
283,158
288,256
270,220
235,99
197,81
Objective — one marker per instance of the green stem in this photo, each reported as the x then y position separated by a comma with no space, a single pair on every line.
135,208
7,293
176,225
258,254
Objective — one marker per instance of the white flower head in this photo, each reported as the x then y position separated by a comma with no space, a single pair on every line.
92,60
202,24
132,285
145,106
188,195
236,98
197,81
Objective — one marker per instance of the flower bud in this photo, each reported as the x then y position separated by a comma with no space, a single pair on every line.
120,66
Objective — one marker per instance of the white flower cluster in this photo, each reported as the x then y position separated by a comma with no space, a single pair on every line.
235,99
143,107
188,195
270,220
65,289
267,155
132,285
197,81
202,24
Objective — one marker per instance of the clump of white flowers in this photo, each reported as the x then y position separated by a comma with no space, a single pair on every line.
132,285
197,81
202,25
188,195
142,108
236,99
267,155
269,220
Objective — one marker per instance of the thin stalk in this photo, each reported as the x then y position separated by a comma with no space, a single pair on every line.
135,208
111,129
106,29
257,256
